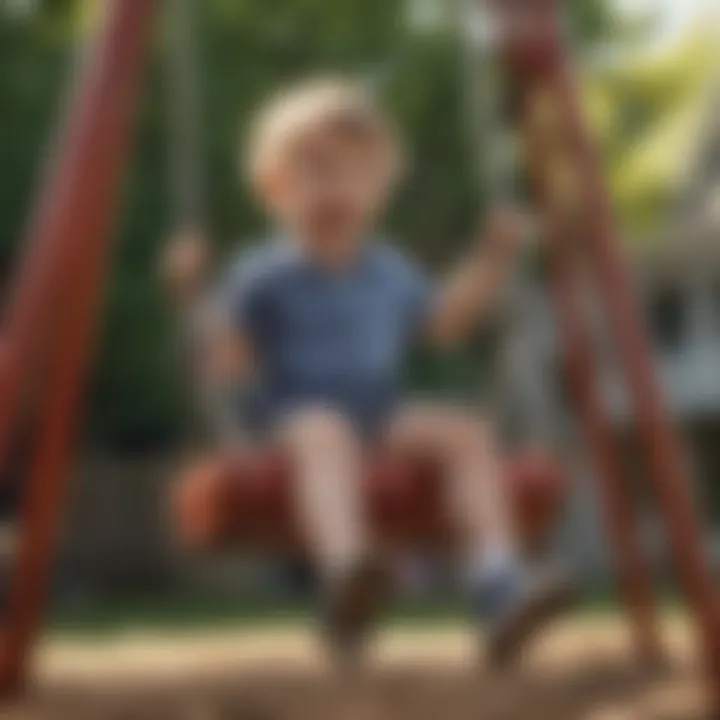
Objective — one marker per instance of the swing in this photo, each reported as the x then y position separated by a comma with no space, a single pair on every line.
64,267
248,498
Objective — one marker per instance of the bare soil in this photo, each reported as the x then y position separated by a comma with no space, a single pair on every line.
582,670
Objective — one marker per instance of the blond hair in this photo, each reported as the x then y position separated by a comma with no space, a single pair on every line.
317,104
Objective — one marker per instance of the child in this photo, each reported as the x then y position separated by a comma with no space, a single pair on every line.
320,318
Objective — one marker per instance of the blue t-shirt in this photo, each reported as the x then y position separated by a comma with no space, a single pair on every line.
328,338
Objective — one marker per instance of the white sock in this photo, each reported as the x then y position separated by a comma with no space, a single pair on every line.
490,561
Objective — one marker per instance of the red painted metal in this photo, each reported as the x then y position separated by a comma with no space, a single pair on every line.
54,238
543,62
631,566
671,479
532,54
249,499
59,291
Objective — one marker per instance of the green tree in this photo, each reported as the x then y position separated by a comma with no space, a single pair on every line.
650,116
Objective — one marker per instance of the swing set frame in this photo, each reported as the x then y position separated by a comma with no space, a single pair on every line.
56,300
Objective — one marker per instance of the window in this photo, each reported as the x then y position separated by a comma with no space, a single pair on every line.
716,303
668,319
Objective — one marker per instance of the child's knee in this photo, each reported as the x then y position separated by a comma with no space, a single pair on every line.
468,433
319,430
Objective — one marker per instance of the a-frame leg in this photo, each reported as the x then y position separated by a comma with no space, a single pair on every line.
670,477
68,251
565,228
534,52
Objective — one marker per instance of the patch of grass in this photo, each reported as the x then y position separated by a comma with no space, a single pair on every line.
190,614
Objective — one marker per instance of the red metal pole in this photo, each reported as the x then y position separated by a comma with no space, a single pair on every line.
70,248
535,47
68,194
634,576
531,53
671,478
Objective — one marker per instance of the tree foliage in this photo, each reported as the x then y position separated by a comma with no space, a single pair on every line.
650,116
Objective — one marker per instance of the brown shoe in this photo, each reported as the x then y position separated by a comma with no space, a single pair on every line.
546,598
353,605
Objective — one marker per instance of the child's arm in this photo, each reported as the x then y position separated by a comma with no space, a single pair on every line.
475,284
222,355
226,366
226,353
183,267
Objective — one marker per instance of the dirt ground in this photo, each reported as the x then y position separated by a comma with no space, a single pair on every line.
582,670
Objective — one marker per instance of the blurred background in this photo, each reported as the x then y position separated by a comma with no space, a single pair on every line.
650,77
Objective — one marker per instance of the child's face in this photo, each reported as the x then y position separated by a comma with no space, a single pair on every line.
331,190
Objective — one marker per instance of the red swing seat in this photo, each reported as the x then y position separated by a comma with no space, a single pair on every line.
249,499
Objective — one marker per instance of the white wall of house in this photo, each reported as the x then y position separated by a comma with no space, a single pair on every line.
686,353
687,357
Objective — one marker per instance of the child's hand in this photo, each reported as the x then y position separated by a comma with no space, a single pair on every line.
183,264
503,232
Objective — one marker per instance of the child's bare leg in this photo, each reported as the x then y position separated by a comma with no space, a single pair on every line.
515,601
326,457
467,448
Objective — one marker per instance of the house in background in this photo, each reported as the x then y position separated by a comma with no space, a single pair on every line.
678,282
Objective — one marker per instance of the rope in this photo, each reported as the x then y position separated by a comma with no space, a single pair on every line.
183,75
217,413
523,382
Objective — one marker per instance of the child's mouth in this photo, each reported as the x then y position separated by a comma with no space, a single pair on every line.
334,220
